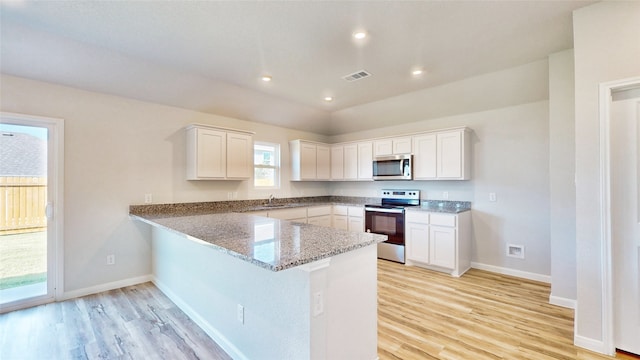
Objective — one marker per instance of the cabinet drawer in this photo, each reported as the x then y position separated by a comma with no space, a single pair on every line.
443,220
340,210
318,210
419,217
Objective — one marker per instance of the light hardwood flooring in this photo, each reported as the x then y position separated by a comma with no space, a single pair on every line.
136,322
421,315
482,315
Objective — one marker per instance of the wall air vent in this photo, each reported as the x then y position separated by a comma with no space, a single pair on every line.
358,75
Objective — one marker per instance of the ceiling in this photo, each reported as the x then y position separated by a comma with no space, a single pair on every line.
210,56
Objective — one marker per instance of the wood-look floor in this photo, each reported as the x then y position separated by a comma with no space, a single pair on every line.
136,322
421,315
482,315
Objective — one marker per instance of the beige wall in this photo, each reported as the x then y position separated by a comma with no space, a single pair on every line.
607,48
117,150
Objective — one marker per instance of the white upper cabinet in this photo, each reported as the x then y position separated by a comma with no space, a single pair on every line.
442,155
365,160
337,162
437,155
453,155
392,146
351,162
239,156
218,153
323,162
309,161
424,157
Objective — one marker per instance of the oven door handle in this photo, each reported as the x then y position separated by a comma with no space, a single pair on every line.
391,211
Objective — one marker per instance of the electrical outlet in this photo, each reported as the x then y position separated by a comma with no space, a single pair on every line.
318,303
148,198
492,197
235,195
240,312
229,195
445,195
111,259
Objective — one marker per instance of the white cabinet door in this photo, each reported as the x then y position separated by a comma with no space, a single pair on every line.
308,161
206,154
442,246
383,147
449,154
356,224
337,162
351,162
402,145
417,236
365,160
424,157
323,162
341,222
239,156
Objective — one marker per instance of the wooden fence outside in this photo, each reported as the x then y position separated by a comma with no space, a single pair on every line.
22,204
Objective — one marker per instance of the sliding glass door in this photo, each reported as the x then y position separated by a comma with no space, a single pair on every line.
30,157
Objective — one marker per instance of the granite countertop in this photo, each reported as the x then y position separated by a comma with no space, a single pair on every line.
266,242
449,207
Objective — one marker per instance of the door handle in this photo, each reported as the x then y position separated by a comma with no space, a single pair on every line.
48,211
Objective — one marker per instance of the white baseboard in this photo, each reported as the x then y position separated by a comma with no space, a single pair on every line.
591,344
205,325
512,272
564,302
105,287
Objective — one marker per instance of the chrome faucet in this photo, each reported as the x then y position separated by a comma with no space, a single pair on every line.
271,197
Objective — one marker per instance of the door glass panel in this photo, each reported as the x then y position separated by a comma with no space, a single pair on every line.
23,224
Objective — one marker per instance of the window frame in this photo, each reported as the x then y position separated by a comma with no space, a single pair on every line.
276,167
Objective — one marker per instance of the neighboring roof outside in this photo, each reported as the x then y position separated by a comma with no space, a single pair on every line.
22,155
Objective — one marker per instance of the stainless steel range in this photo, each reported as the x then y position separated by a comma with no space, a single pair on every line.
387,218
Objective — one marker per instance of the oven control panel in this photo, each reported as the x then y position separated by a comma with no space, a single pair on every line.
400,194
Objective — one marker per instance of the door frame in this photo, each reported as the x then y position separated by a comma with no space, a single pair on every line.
55,205
605,99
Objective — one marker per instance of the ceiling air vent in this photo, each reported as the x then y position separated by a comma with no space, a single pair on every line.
358,75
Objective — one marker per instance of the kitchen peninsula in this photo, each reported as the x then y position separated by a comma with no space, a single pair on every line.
267,288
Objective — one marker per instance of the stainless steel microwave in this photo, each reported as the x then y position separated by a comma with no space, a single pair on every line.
393,167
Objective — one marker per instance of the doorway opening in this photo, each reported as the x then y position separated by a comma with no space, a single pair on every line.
620,208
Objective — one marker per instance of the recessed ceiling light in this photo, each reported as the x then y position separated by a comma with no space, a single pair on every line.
360,34
266,78
417,72
328,98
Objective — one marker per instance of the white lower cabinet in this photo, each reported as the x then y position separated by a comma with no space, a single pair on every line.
319,215
340,222
348,217
417,241
439,241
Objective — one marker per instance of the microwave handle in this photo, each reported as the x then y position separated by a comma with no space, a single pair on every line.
401,167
